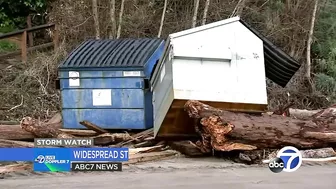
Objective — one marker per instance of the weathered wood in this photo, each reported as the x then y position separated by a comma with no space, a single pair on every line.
145,149
136,137
187,148
145,157
318,153
57,118
43,130
111,138
14,132
15,168
15,144
93,127
145,144
302,114
82,133
229,131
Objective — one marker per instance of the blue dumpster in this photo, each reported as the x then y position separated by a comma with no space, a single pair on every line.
106,82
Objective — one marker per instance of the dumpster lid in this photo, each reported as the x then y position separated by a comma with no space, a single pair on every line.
102,53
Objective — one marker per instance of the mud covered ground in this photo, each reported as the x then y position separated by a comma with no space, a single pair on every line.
180,173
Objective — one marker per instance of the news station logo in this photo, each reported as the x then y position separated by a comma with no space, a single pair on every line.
289,159
50,159
40,159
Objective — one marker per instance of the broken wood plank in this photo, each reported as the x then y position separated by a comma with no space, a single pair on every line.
15,144
145,157
111,138
82,133
93,127
227,131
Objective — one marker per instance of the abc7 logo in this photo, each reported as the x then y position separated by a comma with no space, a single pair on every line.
288,159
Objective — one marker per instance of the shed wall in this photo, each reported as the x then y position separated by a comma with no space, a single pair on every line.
224,64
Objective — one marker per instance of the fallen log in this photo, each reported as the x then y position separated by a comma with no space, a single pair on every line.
45,130
15,144
226,131
93,127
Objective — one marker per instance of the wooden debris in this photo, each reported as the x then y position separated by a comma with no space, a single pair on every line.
137,137
14,132
302,114
227,131
145,149
145,157
318,153
93,127
42,131
111,138
187,148
79,133
15,168
15,144
145,144
57,118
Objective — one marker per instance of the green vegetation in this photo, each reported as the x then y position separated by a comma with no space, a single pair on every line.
7,46
324,49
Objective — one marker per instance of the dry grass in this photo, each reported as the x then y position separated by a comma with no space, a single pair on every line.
29,89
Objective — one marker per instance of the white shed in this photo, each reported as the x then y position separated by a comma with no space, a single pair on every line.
224,64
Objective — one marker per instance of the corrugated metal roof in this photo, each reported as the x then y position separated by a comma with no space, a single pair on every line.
279,66
95,53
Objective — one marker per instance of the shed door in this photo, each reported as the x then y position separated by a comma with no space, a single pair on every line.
203,79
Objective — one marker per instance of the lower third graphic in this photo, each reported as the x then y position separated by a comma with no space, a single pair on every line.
289,159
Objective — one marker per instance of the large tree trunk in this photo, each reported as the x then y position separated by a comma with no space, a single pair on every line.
227,131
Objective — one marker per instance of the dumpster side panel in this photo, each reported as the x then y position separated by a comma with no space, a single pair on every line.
104,118
162,93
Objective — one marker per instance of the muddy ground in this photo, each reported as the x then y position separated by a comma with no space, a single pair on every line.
181,173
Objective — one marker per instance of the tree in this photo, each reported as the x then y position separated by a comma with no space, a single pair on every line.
96,18
120,18
113,20
194,19
162,17
205,12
